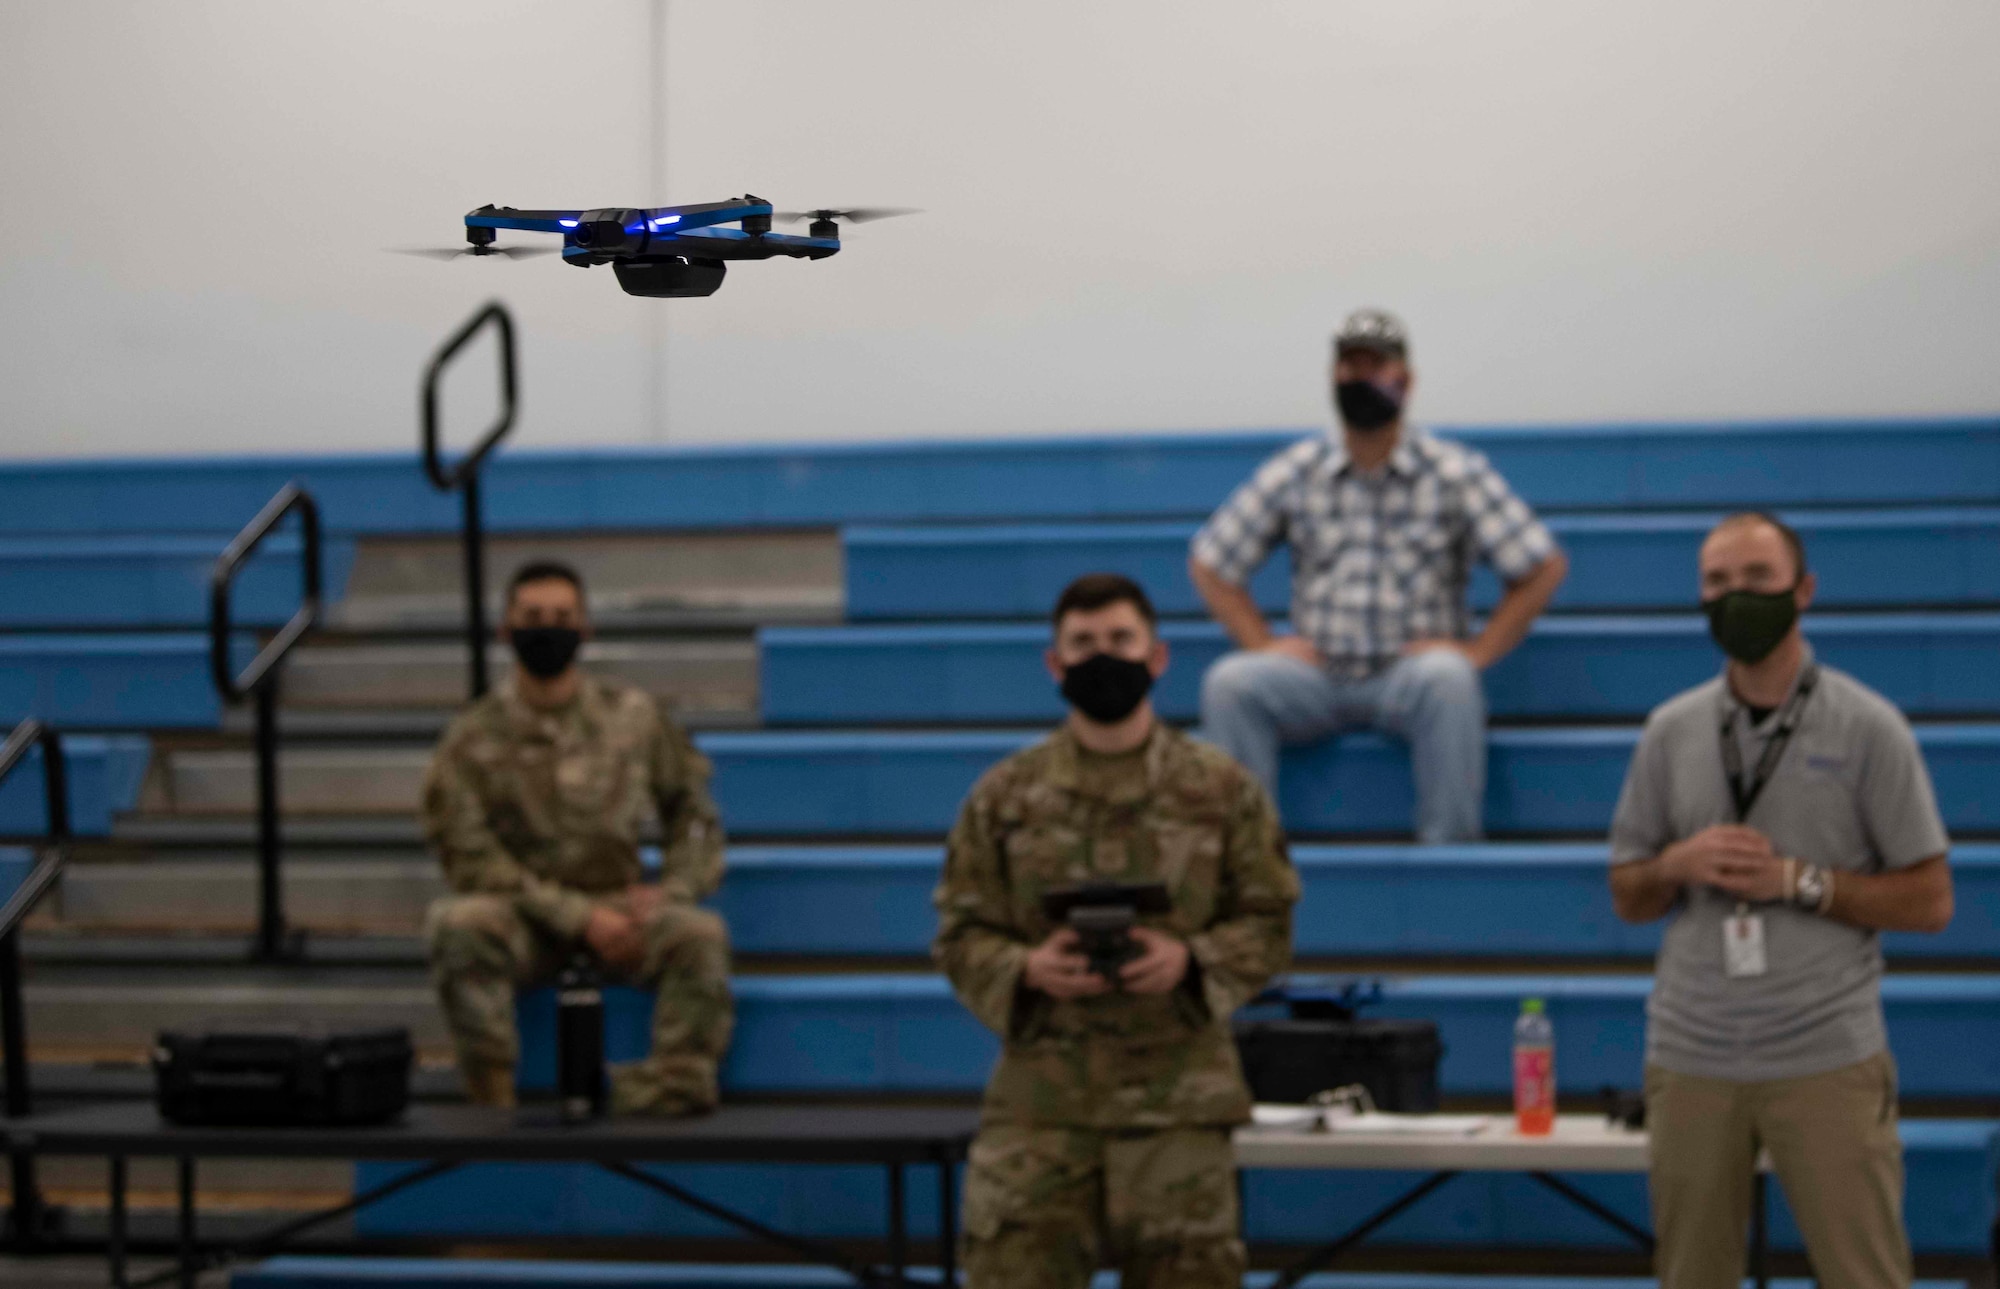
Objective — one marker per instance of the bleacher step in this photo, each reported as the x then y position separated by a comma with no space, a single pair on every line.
634,579
375,896
703,672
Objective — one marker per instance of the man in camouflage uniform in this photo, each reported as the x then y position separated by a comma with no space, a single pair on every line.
534,802
1108,1118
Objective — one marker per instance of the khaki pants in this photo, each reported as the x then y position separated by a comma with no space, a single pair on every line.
1040,1203
482,949
1832,1138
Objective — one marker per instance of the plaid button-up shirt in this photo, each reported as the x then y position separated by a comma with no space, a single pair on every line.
1379,558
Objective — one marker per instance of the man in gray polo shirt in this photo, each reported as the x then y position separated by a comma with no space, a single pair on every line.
1765,1025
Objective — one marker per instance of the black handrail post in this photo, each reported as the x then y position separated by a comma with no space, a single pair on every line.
27,1215
259,680
465,475
475,582
270,895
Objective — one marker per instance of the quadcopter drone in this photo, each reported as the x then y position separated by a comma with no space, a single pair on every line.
664,251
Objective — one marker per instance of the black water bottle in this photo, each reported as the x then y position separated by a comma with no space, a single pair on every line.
580,1042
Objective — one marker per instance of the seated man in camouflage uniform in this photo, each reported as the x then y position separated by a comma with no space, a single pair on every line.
533,802
1107,1120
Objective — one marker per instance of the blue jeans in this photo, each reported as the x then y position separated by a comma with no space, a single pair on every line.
1254,703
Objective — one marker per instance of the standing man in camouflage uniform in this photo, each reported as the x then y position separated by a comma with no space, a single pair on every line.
533,803
1108,1118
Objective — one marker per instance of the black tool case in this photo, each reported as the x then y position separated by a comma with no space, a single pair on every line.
280,1076
1322,1045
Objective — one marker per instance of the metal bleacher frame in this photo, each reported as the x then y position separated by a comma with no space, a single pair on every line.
28,1217
465,475
259,681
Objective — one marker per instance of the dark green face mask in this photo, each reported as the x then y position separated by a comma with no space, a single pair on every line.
1749,624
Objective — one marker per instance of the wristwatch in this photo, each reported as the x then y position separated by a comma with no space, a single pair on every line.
1813,891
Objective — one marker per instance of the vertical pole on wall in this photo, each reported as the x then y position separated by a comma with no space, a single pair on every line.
475,583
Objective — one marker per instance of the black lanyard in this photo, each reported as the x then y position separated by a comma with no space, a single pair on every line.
1732,753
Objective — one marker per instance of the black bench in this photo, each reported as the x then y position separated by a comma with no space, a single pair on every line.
444,1137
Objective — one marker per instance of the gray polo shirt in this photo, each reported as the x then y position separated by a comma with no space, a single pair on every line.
1851,793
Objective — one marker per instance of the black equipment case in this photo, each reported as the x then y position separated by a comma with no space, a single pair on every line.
1322,1046
283,1076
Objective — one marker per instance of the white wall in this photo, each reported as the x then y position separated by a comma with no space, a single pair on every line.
1141,214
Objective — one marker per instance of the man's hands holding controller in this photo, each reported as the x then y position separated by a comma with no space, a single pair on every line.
1058,968
1729,857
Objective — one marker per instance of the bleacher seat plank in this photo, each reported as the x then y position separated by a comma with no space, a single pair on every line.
105,772
1491,900
1608,467
121,680
1541,781
1903,557
906,1033
152,581
1574,668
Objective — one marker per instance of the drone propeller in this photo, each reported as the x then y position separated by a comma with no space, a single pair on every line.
451,253
858,215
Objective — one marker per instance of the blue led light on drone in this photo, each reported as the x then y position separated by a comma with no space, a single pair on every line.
664,220
568,223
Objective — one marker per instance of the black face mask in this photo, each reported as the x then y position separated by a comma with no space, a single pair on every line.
1749,624
1364,405
1106,689
546,651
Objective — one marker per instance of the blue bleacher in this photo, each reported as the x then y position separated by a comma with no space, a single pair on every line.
1604,468
1949,1167
1540,780
1618,562
1586,668
105,773
963,545
906,1033
1496,900
156,580
320,1272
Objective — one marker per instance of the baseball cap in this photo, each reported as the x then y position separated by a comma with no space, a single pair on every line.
1375,329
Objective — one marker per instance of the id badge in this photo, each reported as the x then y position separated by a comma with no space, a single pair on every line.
1743,946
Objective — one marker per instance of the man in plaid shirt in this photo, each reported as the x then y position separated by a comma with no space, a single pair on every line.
1383,524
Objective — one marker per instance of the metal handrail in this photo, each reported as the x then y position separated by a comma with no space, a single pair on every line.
465,475
27,1213
496,313
259,680
235,688
27,735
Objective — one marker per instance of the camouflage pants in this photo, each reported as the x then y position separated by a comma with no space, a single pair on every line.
483,949
1041,1204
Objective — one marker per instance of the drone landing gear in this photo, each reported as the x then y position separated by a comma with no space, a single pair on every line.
669,278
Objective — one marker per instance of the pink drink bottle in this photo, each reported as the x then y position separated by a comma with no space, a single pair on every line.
1534,1071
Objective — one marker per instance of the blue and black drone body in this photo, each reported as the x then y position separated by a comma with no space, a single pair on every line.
665,251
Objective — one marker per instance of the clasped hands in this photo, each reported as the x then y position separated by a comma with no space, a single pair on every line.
1058,967
617,936
1299,647
1732,858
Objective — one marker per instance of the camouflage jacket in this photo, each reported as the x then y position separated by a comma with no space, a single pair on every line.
1195,820
548,805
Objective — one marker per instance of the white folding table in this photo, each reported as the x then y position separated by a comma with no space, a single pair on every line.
1579,1144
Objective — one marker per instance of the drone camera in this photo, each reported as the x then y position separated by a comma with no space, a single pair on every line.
670,278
